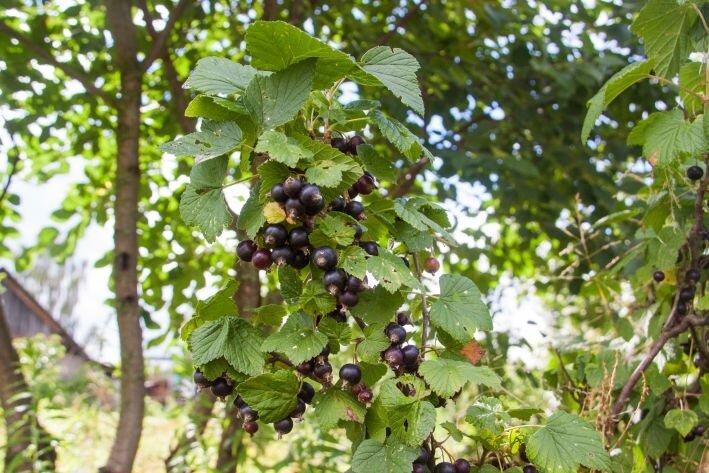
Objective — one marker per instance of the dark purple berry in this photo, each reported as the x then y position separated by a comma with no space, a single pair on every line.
682,308
352,192
284,426
693,275
348,299
695,173
394,356
396,334
355,209
411,354
339,143
354,142
424,456
365,185
365,396
350,373
325,352
300,407
529,469
262,258
445,467
201,380
221,387
298,238
355,284
277,194
358,232
523,453
325,258
357,388
283,256
250,428
402,318
300,260
312,199
292,187
239,402
658,276
245,250
306,393
323,372
462,466
418,468
337,204
370,247
275,235
305,368
335,281
294,208
686,294
338,315
432,265
248,414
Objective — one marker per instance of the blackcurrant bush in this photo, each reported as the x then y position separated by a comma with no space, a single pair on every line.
348,299
658,276
445,467
294,208
411,354
305,368
365,396
323,372
355,209
358,232
335,281
350,373
394,356
275,235
245,250
251,428
300,260
298,238
529,469
396,334
418,468
284,426
325,258
248,414
693,275
306,393
277,193
462,466
299,410
283,256
201,380
695,173
432,265
221,387
354,142
338,315
365,185
402,318
292,187
686,294
311,198
337,204
339,143
262,258
355,284
370,247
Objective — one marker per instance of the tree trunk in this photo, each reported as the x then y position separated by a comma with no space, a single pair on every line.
125,270
26,438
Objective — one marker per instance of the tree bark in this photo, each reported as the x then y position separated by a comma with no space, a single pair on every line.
125,269
24,432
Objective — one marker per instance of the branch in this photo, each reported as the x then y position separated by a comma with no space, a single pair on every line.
383,39
424,307
47,57
406,182
13,170
161,40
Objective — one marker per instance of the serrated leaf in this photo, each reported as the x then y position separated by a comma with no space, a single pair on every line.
232,338
348,168
375,342
290,284
411,419
334,229
274,213
397,134
691,79
214,139
204,106
275,99
377,305
337,332
271,173
335,405
682,420
667,134
282,148
270,314
272,395
353,260
460,310
297,339
315,299
326,173
396,70
487,413
446,377
203,204
373,456
221,304
251,217
566,442
390,271
216,75
414,212
379,166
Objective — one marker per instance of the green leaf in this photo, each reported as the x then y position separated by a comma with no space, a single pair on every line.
691,79
667,134
377,305
663,26
215,75
353,260
411,419
338,333
373,456
488,414
375,342
204,106
446,377
232,338
620,81
214,139
335,229
396,70
203,204
324,156
290,284
274,100
221,304
460,310
251,217
297,339
335,405
315,299
275,45
282,148
272,395
566,442
397,134
390,271
270,314
415,211
381,167
682,420
271,173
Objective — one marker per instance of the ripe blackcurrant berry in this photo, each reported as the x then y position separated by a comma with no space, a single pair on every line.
394,356
284,426
370,247
424,456
350,373
396,333
682,308
445,467
325,352
262,258
686,294
523,453
354,142
251,428
365,395
365,185
695,173
337,204
292,187
221,387
348,299
239,402
338,315
201,380
355,284
312,199
275,235
248,414
402,318
658,276
306,393
300,260
305,368
323,372
352,192
294,208
298,238
299,409
325,258
418,468
432,265
355,209
693,275
277,194
462,466
335,281
245,250
411,354
358,232
529,469
283,256
339,143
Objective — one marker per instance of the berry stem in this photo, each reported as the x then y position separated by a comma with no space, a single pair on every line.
424,306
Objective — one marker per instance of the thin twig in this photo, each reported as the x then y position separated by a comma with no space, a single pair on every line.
406,182
424,306
13,170
156,50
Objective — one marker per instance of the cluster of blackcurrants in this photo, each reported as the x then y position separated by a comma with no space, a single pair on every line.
221,386
686,293
400,359
319,368
461,465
